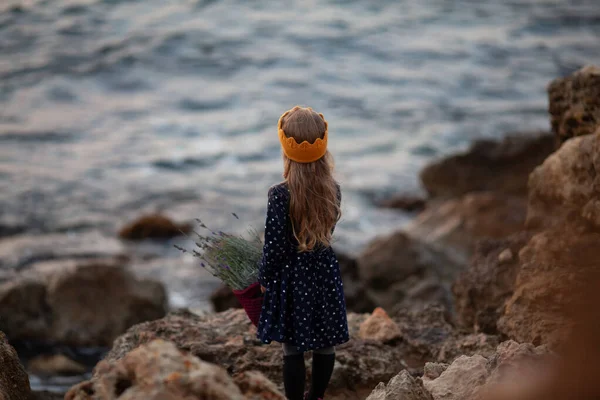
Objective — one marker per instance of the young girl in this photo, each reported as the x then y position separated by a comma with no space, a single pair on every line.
304,306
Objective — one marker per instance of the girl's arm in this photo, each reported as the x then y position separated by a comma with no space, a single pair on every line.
275,237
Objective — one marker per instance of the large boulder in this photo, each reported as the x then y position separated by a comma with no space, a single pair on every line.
14,381
488,165
567,184
79,302
455,226
555,266
157,371
400,272
574,104
481,290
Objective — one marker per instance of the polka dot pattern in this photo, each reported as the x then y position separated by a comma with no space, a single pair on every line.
304,303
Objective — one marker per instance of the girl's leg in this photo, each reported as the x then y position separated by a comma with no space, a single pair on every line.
294,373
322,367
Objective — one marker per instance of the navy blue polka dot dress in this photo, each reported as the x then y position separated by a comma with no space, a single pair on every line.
304,303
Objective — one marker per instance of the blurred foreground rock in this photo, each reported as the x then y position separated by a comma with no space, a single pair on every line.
79,302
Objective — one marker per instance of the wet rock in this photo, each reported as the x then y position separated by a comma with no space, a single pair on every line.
460,380
379,327
555,265
402,386
79,302
229,340
481,290
488,165
223,299
153,226
55,364
574,104
404,202
255,386
157,370
394,269
455,226
14,381
567,184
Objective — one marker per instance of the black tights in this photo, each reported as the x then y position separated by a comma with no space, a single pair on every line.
294,372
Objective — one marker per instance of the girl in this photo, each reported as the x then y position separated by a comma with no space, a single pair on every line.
303,306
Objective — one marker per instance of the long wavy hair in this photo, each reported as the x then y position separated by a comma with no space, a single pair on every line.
314,205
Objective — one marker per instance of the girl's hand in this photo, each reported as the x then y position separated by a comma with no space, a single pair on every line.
263,289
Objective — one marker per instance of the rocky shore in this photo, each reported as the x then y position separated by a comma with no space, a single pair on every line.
490,293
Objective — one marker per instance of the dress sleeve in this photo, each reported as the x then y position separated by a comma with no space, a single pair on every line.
274,248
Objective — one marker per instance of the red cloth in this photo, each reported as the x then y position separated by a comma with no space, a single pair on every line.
251,300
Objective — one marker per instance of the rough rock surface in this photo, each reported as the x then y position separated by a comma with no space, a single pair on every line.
470,376
402,386
157,371
567,184
481,290
455,226
153,226
574,103
555,266
77,302
488,165
401,272
460,380
379,327
255,386
14,381
229,340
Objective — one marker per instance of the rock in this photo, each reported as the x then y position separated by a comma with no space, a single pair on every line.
460,380
469,377
157,370
255,386
433,370
153,226
574,104
567,184
501,167
79,302
229,340
14,381
402,386
223,299
404,202
391,267
481,290
379,327
55,364
455,226
555,266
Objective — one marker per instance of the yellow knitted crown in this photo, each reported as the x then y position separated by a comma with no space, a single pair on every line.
304,152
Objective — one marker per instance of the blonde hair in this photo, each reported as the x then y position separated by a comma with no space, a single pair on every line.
314,193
